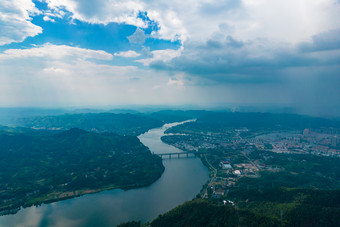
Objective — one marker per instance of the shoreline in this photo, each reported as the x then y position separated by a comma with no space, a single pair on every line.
76,193
205,164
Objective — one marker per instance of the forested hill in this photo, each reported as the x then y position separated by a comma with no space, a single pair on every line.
35,169
273,207
123,124
266,120
211,121
202,213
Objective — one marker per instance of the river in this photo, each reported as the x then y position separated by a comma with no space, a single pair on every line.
181,181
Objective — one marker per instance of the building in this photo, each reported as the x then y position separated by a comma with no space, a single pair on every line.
225,165
237,172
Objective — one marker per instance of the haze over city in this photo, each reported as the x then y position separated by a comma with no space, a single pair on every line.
56,53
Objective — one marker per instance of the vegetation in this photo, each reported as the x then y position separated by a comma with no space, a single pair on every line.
294,207
271,207
45,168
199,212
220,121
298,170
130,224
294,196
123,124
271,189
39,166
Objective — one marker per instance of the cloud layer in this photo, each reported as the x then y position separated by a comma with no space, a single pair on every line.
227,51
59,75
51,51
289,21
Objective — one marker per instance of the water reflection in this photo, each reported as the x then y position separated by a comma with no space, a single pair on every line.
181,181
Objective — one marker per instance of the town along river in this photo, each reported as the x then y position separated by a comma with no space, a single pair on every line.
182,180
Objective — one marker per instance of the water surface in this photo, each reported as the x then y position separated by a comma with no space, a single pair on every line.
181,181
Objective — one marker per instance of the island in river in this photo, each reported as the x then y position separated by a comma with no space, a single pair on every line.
46,168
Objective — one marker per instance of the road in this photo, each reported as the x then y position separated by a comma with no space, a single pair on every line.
213,178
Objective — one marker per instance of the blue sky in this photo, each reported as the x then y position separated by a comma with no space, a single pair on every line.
196,52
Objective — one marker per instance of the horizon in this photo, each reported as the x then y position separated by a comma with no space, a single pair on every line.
30,111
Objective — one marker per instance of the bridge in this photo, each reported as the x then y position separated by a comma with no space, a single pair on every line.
180,154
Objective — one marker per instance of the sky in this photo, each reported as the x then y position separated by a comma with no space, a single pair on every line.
60,53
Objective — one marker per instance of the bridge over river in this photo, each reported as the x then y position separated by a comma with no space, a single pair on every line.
180,154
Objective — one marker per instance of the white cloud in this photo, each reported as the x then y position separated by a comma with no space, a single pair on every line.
171,26
46,18
290,21
101,11
161,56
15,21
127,54
138,37
36,78
175,82
55,52
53,75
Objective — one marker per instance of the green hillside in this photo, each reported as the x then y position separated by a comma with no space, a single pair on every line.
222,121
201,213
123,124
36,169
272,207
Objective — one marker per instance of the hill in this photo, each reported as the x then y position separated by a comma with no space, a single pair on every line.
44,168
123,124
201,213
271,207
222,121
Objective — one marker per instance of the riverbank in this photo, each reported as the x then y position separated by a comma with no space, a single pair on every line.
205,162
50,168
181,181
57,196
64,195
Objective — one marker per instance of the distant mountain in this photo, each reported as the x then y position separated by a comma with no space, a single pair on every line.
213,121
10,116
43,168
116,111
124,124
170,116
267,120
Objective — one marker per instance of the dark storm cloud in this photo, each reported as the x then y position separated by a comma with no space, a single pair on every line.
232,61
322,42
